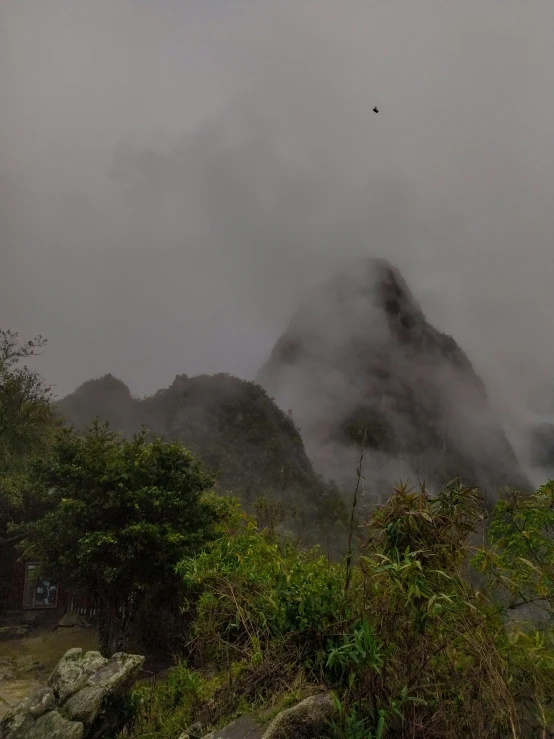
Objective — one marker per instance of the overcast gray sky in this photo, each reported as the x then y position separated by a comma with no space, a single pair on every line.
175,174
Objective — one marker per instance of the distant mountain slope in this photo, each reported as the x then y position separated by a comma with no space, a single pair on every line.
360,354
235,428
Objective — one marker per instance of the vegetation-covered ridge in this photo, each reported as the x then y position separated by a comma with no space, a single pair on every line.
232,424
250,445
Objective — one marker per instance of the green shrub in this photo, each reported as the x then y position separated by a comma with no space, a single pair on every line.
419,645
121,516
163,711
256,590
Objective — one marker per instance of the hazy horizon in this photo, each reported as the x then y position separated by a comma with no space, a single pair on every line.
177,175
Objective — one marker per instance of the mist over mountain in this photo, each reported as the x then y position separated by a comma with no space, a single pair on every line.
177,177
238,432
359,355
358,364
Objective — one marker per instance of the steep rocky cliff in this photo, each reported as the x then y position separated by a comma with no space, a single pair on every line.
360,355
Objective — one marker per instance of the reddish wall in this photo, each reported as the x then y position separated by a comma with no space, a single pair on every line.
12,585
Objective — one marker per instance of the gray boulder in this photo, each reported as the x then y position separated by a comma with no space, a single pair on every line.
22,717
308,719
54,726
85,705
244,727
79,700
73,671
73,620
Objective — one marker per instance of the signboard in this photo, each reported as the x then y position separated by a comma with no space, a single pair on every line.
40,590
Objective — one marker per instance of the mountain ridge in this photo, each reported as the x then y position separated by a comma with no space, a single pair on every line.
358,354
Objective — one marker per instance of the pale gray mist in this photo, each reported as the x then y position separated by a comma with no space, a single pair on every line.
176,174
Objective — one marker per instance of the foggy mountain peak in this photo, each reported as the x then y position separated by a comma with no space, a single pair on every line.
360,353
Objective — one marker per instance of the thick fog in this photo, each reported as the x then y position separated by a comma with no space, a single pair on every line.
176,174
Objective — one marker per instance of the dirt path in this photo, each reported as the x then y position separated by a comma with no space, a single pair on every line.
26,663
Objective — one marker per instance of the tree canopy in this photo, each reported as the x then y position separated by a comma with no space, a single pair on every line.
121,515
28,420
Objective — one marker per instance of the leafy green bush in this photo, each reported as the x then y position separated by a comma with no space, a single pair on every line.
166,709
28,421
121,516
519,557
413,647
256,590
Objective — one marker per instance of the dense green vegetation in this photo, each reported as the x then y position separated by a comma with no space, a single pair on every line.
28,422
413,647
121,515
437,622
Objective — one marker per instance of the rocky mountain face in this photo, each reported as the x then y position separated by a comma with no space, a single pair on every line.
359,356
235,428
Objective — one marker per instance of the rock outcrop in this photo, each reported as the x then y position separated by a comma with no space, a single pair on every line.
308,719
79,701
244,727
359,355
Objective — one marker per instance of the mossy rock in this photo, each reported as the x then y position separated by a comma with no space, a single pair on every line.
309,719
